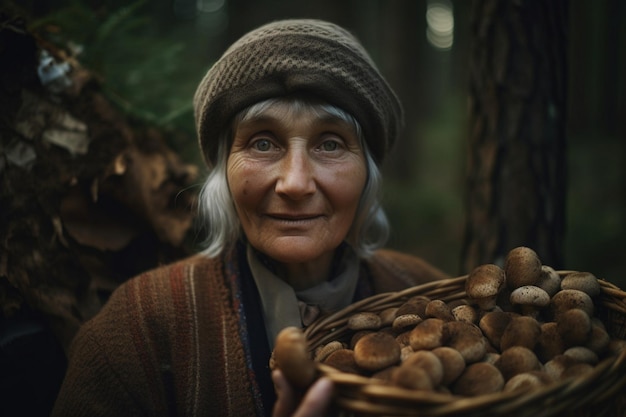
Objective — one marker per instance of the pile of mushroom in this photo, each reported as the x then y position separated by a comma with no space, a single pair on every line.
521,326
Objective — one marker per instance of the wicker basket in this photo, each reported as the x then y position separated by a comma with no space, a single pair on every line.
599,393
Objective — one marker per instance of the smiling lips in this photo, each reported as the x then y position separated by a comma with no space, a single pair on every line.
293,217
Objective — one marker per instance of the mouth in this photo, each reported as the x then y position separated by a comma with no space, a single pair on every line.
293,218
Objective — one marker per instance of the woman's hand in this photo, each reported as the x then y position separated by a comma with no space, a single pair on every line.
314,403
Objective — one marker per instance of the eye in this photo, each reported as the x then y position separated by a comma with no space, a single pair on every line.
262,145
330,145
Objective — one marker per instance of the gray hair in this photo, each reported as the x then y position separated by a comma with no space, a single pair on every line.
218,215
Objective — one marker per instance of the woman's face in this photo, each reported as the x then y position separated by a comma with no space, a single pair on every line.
296,178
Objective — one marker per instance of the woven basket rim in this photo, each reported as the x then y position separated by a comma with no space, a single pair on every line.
363,394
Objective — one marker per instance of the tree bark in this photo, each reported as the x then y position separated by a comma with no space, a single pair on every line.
516,170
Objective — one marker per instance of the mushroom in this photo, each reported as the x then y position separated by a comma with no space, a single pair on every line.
568,299
466,313
323,351
516,360
342,360
412,377
521,331
550,342
404,338
427,335
376,351
385,374
405,321
530,298
599,339
478,379
574,326
557,365
582,281
415,305
357,335
387,316
491,357
467,339
582,354
483,285
452,362
292,357
522,266
405,352
364,321
439,309
527,381
429,362
576,370
550,280
493,324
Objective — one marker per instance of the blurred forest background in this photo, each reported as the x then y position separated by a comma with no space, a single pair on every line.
151,55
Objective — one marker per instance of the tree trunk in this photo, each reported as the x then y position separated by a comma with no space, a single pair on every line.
516,150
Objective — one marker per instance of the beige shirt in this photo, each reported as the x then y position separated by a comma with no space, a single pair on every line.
283,306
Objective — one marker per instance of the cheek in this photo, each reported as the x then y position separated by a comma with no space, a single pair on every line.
347,188
244,183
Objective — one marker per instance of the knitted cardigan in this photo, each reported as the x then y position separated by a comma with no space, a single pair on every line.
173,341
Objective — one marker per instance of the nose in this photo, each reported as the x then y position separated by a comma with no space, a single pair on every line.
295,179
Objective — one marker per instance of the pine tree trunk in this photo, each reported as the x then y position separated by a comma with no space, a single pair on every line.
516,151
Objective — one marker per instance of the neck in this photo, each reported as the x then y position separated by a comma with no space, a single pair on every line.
306,274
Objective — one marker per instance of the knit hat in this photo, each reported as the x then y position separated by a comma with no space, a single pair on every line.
291,57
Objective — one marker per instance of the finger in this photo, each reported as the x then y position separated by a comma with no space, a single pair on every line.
286,401
317,399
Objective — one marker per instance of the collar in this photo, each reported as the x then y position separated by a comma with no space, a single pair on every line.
283,307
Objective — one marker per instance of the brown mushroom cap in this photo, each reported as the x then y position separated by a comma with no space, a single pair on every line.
557,365
550,342
521,331
467,339
405,322
483,285
364,321
375,351
599,339
387,316
576,370
530,298
466,313
527,381
582,354
357,335
412,377
292,357
439,309
415,305
427,335
323,351
550,280
478,379
516,360
567,299
522,266
493,324
574,326
452,362
342,360
429,362
582,281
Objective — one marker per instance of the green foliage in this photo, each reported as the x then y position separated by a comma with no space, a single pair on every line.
137,59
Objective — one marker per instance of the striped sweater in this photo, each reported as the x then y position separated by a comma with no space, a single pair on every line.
175,341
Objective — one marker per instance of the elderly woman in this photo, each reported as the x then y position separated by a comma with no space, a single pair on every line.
293,120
